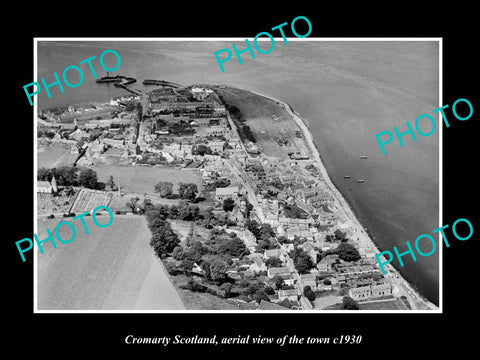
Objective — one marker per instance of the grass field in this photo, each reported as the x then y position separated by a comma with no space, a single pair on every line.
113,268
267,119
142,179
55,156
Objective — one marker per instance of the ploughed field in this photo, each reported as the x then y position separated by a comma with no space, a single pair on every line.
113,268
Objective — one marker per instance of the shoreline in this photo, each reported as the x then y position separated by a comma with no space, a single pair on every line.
408,289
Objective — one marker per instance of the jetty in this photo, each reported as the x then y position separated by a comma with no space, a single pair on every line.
161,83
120,81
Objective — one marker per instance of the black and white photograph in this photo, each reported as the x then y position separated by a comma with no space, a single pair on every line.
256,188
224,180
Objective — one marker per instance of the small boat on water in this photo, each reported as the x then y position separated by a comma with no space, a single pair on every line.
347,177
361,181
364,157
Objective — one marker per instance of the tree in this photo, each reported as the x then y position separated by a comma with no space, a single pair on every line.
165,188
349,304
43,174
111,182
218,270
164,240
308,293
146,206
262,246
228,204
253,287
192,285
157,212
340,236
88,178
266,232
221,183
269,290
133,204
253,226
195,252
187,191
347,252
205,266
66,175
188,212
234,247
178,253
203,149
327,282
302,261
260,295
278,281
227,289
329,238
273,262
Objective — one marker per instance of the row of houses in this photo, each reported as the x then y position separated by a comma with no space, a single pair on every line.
367,292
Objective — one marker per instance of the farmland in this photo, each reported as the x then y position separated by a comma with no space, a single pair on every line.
112,268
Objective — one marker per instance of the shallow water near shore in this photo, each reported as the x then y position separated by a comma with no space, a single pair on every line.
347,91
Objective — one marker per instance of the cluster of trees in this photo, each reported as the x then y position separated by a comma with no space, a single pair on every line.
273,262
229,245
45,133
278,282
228,204
255,290
213,256
215,269
347,252
263,233
164,239
182,129
202,150
210,219
164,188
349,304
71,176
337,236
185,191
302,261
294,212
245,132
308,293
214,266
182,211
